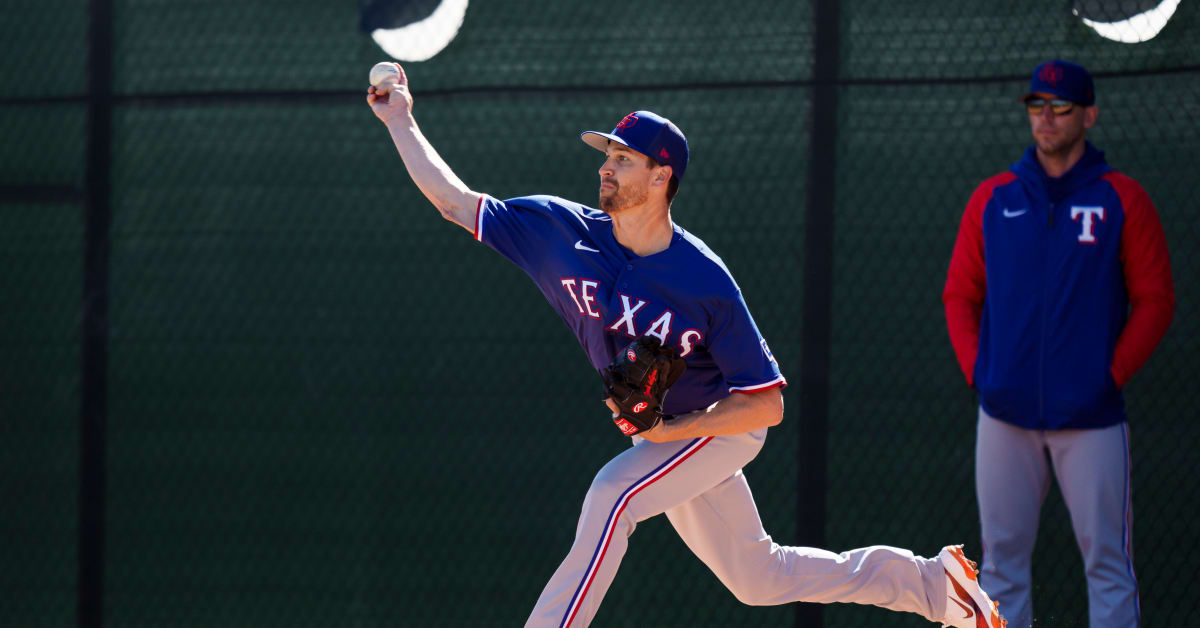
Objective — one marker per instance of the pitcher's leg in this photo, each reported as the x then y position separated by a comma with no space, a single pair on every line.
722,527
1012,478
1093,473
641,482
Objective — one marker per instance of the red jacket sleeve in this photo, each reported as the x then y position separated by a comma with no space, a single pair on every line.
1147,269
966,281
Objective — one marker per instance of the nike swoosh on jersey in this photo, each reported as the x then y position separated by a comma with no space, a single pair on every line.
1013,214
582,247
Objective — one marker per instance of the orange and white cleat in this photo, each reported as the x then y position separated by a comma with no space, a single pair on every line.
967,606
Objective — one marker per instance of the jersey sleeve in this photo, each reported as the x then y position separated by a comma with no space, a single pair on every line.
1147,270
740,351
515,228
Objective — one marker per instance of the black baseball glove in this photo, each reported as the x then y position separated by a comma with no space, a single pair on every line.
638,380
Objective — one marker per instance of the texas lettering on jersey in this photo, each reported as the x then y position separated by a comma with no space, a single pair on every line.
583,295
607,295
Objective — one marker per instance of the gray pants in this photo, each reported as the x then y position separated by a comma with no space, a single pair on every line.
700,486
1012,477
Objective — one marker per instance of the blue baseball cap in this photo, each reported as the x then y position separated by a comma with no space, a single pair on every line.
1063,79
649,134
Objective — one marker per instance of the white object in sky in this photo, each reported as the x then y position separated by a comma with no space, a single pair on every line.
422,40
1138,28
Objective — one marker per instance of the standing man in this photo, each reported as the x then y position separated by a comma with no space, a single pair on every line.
1058,291
627,272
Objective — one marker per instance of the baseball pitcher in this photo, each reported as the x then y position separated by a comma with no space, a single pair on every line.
685,372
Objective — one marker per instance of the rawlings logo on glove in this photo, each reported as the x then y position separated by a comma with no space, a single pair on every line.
638,380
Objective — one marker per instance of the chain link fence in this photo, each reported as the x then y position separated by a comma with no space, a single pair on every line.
327,406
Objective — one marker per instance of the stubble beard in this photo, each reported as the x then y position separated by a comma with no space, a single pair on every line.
1057,148
619,199
1060,146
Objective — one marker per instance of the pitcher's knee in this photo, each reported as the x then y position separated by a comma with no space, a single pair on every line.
605,500
750,595
602,494
755,587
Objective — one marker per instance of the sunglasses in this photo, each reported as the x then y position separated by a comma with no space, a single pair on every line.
1060,107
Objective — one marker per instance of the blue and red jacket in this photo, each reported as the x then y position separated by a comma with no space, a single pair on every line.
1059,290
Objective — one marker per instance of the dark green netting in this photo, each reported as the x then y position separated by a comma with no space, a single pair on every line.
40,280
43,49
327,406
43,144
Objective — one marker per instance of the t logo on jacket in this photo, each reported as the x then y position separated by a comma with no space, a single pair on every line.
1087,236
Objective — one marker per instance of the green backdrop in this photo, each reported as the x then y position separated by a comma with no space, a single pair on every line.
328,407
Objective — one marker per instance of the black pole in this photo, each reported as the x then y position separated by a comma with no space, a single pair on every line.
818,291
94,402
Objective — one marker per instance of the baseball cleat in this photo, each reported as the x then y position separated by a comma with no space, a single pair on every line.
967,606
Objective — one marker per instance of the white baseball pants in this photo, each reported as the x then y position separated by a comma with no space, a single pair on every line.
700,486
1012,477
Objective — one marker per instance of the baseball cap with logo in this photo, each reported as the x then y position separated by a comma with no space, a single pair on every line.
1063,79
649,134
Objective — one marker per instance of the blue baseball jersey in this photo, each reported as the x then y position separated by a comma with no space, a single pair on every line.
608,296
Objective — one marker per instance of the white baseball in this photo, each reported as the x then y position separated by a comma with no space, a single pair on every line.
384,75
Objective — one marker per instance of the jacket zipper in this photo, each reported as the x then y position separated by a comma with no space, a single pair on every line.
1045,316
